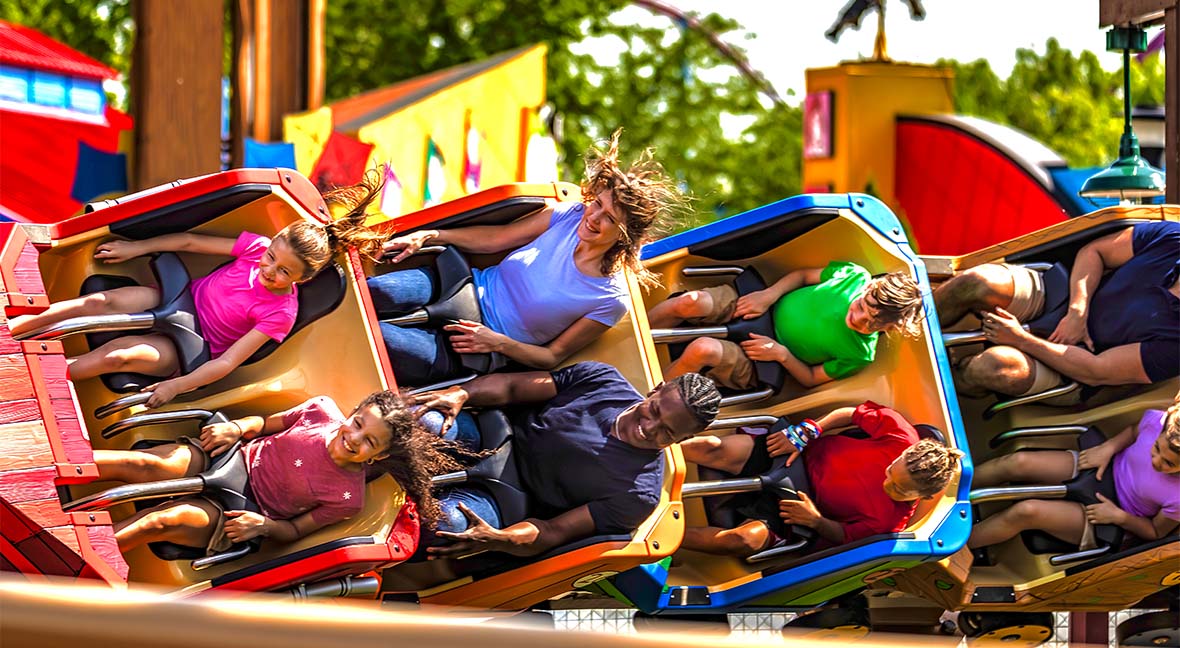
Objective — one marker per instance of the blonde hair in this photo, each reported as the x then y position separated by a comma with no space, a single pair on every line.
646,197
899,303
315,244
931,465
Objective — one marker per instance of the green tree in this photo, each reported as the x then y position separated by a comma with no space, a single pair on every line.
1069,103
654,90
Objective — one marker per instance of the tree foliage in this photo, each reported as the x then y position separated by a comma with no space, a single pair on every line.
1069,103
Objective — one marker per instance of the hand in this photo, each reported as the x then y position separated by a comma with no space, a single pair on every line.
1000,327
241,526
802,511
777,445
473,337
1097,457
753,304
1072,329
1105,512
403,247
477,538
447,401
219,437
118,251
162,392
762,348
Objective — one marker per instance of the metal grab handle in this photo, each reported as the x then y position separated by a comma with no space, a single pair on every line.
687,334
120,404
416,317
337,588
442,385
217,559
769,554
1016,493
90,324
960,338
742,421
154,418
1027,432
1078,556
135,492
425,249
1031,398
449,479
721,487
712,271
747,397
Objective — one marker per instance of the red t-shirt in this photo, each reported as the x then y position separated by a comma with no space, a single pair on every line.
292,473
846,473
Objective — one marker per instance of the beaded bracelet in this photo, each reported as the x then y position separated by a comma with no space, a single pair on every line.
796,438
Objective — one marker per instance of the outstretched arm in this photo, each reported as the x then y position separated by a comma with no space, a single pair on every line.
527,538
471,337
758,302
480,239
763,348
118,251
211,371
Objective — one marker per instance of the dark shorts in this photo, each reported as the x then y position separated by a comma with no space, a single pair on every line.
760,506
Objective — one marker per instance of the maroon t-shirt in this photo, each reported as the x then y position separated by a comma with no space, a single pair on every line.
847,473
292,473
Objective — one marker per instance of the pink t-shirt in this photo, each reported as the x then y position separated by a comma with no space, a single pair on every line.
292,473
230,301
1142,491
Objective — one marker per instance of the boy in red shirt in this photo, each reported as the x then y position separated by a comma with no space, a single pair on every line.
850,499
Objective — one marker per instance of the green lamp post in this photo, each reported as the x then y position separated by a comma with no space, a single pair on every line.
1130,178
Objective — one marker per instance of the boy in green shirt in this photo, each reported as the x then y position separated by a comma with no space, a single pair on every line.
826,324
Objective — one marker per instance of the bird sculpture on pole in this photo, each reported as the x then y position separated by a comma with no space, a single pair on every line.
852,13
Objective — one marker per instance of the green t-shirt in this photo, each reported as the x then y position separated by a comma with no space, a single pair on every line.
810,321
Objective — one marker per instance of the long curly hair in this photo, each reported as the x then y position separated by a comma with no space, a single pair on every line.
316,244
647,197
415,455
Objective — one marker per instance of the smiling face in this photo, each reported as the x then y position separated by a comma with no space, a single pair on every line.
363,436
602,221
1163,458
899,483
280,267
657,421
862,315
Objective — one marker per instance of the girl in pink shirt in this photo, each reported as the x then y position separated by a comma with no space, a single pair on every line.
1143,460
306,466
240,305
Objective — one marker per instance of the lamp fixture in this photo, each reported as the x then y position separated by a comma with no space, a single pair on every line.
1130,178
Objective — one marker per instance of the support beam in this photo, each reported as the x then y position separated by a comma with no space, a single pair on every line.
176,90
1089,628
1132,12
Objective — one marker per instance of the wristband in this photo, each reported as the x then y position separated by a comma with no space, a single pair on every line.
812,428
241,432
796,437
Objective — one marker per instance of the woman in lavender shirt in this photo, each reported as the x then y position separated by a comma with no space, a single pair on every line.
1143,460
560,289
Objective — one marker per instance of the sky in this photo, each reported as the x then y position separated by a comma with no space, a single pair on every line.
784,37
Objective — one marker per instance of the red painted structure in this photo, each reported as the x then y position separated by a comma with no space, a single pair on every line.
963,184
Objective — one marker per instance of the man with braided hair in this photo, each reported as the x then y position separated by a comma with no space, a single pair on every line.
849,501
592,454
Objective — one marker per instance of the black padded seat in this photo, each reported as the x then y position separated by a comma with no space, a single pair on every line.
317,297
1083,489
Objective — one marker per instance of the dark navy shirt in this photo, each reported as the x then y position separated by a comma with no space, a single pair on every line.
1133,303
569,458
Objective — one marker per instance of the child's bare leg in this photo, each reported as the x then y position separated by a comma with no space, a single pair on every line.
187,522
154,355
169,461
746,539
129,299
672,312
1029,466
700,353
727,454
1065,520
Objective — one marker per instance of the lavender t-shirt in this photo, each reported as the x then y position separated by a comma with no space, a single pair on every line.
292,473
1141,489
537,291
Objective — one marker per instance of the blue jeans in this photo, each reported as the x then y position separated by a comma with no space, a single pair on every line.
418,356
463,431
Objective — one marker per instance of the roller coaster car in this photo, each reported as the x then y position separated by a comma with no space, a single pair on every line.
1038,573
333,314
910,375
494,581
